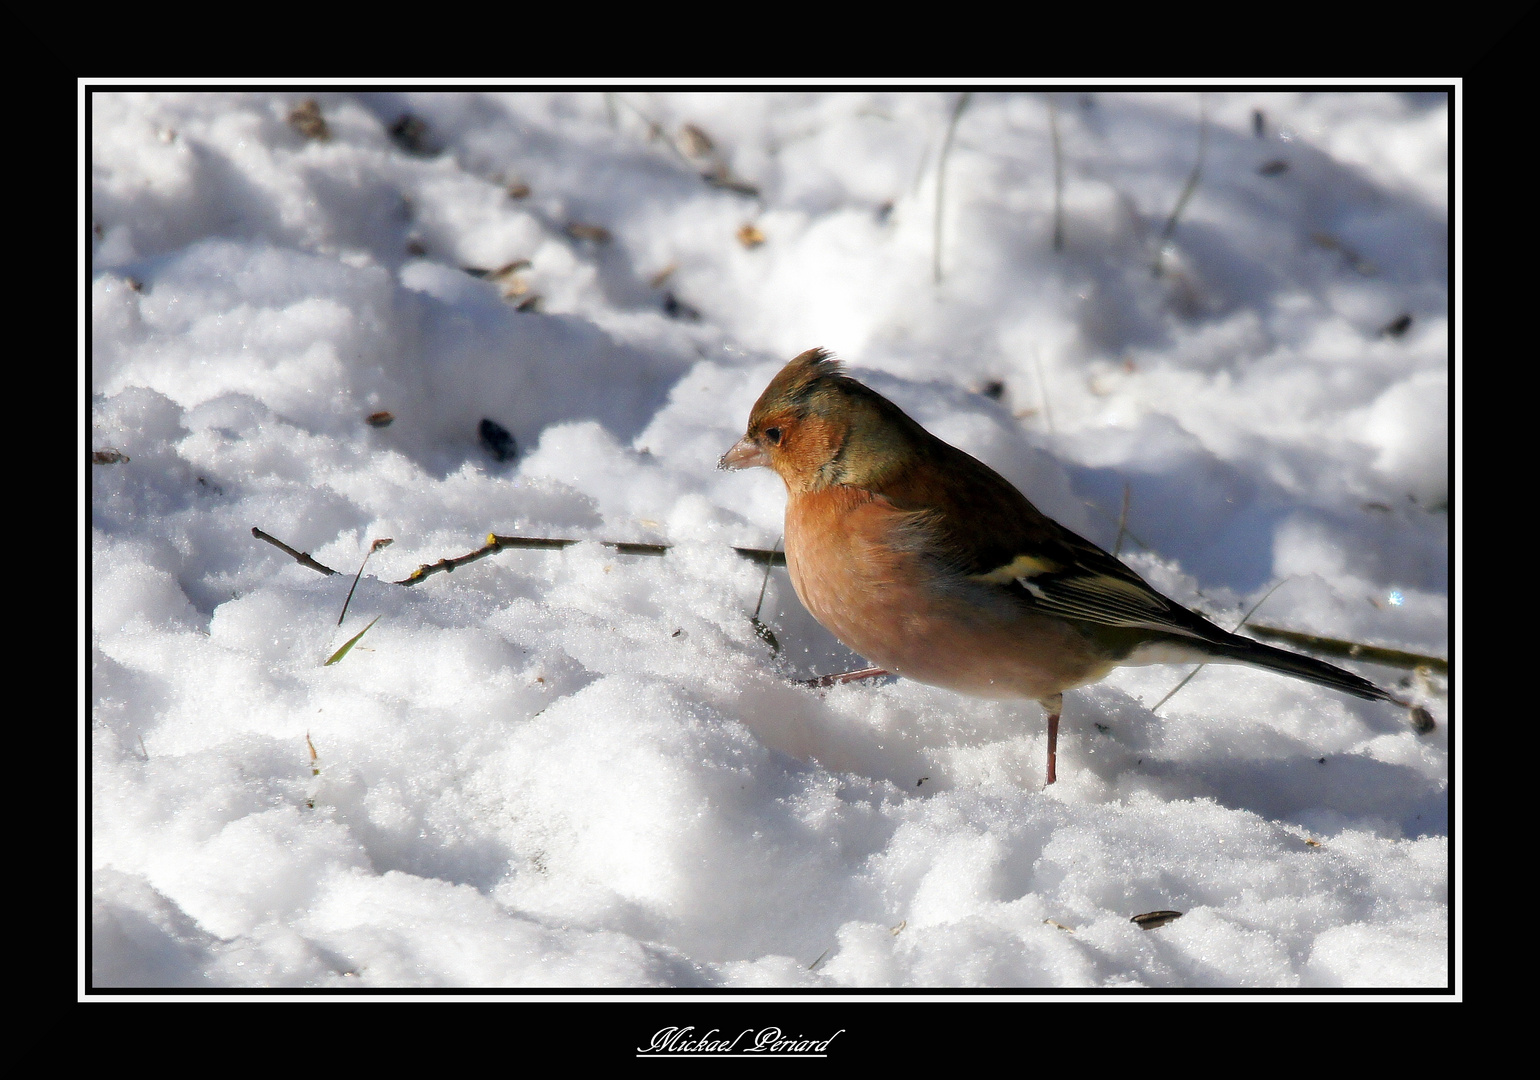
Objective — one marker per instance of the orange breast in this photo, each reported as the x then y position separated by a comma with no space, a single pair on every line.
891,606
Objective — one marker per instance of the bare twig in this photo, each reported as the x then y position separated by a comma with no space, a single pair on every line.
372,549
1200,667
1117,545
315,770
1352,650
1042,389
1187,190
757,555
763,585
1419,717
822,681
717,173
1124,532
1058,173
301,557
654,129
946,148
761,628
497,543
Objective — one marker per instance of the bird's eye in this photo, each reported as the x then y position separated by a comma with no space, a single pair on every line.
773,436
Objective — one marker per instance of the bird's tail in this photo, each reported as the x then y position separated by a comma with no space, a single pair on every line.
1245,651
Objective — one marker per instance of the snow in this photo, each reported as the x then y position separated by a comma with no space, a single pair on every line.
579,768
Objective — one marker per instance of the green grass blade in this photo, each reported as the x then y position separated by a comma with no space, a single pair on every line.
340,653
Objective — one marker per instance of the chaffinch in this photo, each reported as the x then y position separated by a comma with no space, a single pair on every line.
931,565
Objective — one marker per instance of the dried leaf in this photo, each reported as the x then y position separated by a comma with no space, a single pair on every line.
727,182
597,233
308,119
693,142
509,269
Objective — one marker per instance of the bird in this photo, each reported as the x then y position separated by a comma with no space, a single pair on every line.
934,567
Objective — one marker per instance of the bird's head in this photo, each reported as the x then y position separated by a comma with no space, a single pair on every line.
816,426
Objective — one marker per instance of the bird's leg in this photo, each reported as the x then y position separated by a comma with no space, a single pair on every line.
843,677
1055,706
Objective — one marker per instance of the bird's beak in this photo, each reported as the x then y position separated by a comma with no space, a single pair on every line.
745,454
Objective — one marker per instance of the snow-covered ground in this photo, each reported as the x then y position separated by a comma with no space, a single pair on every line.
580,768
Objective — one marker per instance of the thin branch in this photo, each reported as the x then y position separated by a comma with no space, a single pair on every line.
1352,650
763,585
1058,173
654,129
301,557
1042,389
1200,667
1117,546
762,628
718,175
1421,719
843,677
946,149
1190,187
497,543
1124,531
756,555
372,549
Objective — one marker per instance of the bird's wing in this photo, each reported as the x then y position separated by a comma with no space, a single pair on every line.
988,532
1092,586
